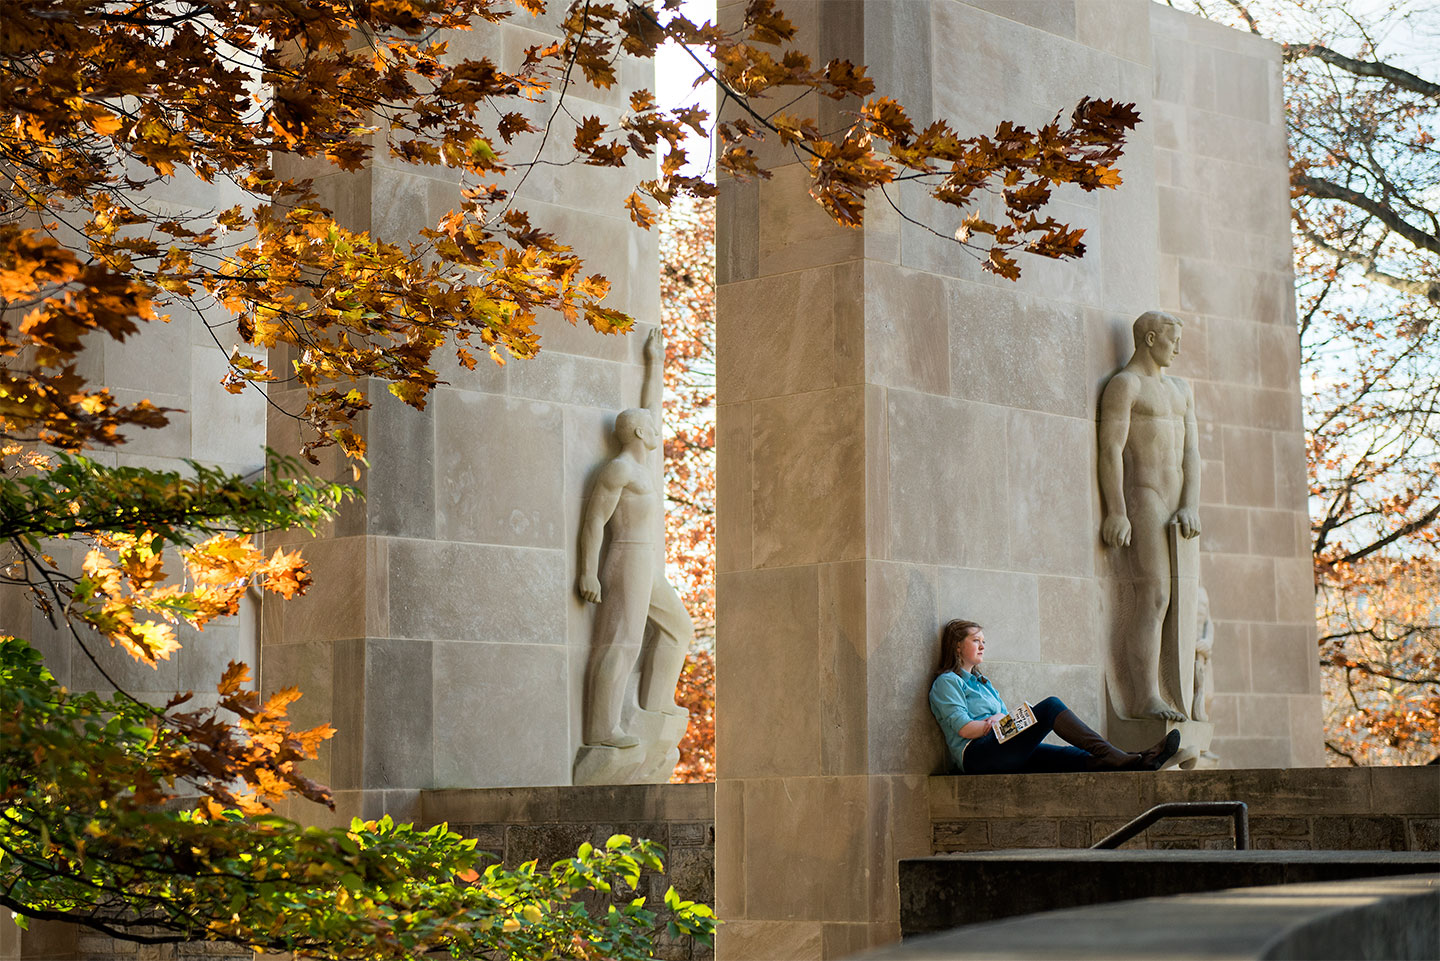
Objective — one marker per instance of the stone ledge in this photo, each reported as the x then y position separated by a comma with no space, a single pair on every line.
1373,918
589,804
944,891
1278,792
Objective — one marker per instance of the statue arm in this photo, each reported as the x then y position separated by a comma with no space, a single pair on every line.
1188,516
598,510
652,388
1115,405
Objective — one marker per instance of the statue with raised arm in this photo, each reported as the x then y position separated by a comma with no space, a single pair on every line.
640,620
1149,464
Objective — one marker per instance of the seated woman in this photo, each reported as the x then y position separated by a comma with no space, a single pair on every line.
967,707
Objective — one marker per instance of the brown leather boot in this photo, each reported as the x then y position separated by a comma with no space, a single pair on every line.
1155,757
1104,756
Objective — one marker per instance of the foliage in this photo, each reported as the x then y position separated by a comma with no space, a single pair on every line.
1380,651
696,693
1364,166
104,100
111,105
687,314
85,838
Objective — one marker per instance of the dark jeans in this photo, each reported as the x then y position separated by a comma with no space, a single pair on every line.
1023,753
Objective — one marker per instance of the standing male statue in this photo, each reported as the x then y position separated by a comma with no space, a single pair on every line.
1150,481
630,587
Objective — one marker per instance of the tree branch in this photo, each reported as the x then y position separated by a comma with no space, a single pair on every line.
1418,524
1327,190
1360,68
1428,289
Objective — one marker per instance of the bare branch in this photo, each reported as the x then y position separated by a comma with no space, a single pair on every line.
1327,190
1360,68
1428,289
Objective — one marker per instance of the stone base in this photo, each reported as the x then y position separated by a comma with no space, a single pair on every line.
649,762
1195,738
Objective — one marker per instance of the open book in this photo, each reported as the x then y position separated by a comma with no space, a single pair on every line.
1013,723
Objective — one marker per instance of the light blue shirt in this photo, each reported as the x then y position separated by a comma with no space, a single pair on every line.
956,699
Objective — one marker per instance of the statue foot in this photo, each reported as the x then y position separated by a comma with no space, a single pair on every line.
1160,711
1199,715
620,740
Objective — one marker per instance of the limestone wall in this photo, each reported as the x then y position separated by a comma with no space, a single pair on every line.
904,439
176,364
444,637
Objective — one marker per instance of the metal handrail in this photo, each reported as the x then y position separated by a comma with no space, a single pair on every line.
1184,809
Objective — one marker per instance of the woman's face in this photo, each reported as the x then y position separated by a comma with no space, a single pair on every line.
972,649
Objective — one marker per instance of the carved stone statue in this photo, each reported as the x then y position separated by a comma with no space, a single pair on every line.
640,619
1204,645
1150,481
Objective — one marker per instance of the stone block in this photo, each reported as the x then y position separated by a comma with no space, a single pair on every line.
787,819
897,39
877,473
498,718
907,329
1240,587
972,834
500,470
1405,790
1052,522
994,334
1068,628
1118,27
949,504
737,231
309,667
1267,714
224,428
769,628
1295,593
1224,530
769,940
1052,16
1024,833
1279,533
1073,833
477,592
400,484
845,667
544,843
558,378
1424,834
795,232
398,713
1307,726
1007,604
808,460
734,487
1359,833
785,335
902,628
730,879
1252,752
1283,659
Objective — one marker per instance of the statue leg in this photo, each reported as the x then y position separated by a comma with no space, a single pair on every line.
665,654
1141,659
619,630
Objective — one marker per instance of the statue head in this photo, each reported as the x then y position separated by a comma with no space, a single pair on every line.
636,423
1158,334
